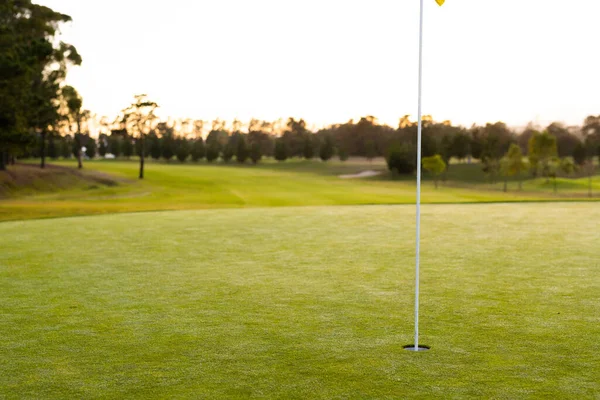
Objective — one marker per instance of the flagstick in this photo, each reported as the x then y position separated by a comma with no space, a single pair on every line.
418,233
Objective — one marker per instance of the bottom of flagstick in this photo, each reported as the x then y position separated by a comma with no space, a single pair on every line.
411,347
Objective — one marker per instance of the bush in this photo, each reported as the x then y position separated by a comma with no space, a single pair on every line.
401,159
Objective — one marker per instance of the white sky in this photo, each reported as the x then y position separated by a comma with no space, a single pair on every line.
331,60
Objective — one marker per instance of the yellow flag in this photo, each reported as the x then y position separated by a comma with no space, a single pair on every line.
440,2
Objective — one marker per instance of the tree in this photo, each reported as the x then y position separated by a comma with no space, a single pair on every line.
434,165
370,150
565,140
343,153
445,148
542,149
53,150
76,116
154,141
579,154
460,145
140,116
90,147
229,150
127,146
182,146
401,159
212,150
255,152
65,146
491,167
326,151
33,65
553,167
512,164
102,145
198,149
242,152
308,150
115,144
476,142
281,151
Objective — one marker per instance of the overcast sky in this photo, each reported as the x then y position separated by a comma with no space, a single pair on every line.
331,60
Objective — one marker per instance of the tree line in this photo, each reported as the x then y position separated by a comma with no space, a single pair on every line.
40,116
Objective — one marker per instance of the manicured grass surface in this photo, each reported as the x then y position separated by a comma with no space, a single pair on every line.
310,302
293,183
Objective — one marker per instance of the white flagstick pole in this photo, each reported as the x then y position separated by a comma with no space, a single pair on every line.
418,235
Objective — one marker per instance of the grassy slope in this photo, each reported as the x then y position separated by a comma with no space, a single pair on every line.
295,183
303,303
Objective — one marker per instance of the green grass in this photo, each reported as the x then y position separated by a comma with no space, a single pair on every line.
293,183
309,302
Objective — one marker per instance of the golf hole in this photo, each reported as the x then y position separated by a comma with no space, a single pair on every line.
411,347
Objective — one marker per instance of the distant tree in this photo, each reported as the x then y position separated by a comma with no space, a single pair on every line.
74,104
90,147
140,116
567,166
154,145
294,137
53,150
242,152
167,146
229,149
255,152
446,149
400,159
434,165
213,149
542,150
343,153
102,145
579,154
281,151
127,146
553,167
513,164
65,146
476,142
370,149
327,149
182,146
460,145
308,150
115,144
523,138
565,141
491,167
198,149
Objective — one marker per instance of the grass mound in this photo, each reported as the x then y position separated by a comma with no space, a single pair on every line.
29,179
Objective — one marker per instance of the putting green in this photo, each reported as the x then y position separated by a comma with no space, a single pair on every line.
310,302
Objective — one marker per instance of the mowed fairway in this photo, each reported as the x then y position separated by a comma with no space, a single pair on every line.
308,302
294,183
